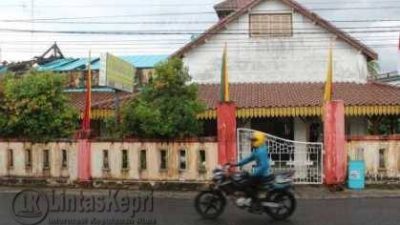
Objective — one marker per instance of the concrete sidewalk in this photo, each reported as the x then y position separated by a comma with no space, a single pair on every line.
322,192
301,191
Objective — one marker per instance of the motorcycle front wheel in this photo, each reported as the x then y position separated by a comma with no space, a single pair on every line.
210,204
287,205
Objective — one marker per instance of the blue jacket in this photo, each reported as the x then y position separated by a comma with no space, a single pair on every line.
261,156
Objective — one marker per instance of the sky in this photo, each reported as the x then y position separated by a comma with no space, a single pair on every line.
133,27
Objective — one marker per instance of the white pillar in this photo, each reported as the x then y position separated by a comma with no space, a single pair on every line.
300,150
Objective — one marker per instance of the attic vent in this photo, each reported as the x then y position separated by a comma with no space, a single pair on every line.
271,25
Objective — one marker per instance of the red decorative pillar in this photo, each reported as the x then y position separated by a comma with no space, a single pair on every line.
335,158
84,147
84,159
226,124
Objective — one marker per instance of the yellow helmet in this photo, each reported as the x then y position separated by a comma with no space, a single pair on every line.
257,139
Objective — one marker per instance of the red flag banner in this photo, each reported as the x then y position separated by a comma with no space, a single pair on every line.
88,102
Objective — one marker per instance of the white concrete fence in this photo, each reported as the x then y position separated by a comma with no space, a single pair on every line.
381,155
190,161
110,161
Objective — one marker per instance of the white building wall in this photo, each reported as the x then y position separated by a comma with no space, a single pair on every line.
301,58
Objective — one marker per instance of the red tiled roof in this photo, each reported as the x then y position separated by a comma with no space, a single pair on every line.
269,95
78,98
110,104
231,5
291,3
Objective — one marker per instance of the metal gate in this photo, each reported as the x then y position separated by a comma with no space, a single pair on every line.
303,157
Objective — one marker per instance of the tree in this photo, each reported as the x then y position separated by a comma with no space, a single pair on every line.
373,68
167,107
33,106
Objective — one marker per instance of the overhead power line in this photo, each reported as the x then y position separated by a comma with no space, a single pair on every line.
174,32
99,5
185,40
177,22
113,16
211,3
199,13
214,49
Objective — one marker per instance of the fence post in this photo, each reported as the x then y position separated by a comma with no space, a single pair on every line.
335,158
226,125
84,161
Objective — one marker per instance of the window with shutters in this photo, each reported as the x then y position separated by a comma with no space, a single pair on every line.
271,25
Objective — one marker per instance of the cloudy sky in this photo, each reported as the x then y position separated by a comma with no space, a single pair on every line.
131,27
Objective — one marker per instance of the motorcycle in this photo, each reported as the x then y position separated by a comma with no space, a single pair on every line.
274,194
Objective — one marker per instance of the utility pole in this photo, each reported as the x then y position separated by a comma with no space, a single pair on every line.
32,24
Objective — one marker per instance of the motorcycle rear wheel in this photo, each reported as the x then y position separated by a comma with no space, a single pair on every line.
287,201
210,204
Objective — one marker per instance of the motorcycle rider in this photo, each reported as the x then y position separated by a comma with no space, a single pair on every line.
261,157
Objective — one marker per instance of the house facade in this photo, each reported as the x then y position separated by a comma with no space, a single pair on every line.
277,62
274,42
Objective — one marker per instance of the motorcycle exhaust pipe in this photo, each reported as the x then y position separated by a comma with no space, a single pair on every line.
271,204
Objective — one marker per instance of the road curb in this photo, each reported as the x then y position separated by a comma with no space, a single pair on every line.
300,193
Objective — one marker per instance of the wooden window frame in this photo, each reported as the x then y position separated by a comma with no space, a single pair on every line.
270,35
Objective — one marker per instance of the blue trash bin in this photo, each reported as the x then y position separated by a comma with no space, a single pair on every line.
356,174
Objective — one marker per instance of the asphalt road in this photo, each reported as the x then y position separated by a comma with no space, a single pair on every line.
180,211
